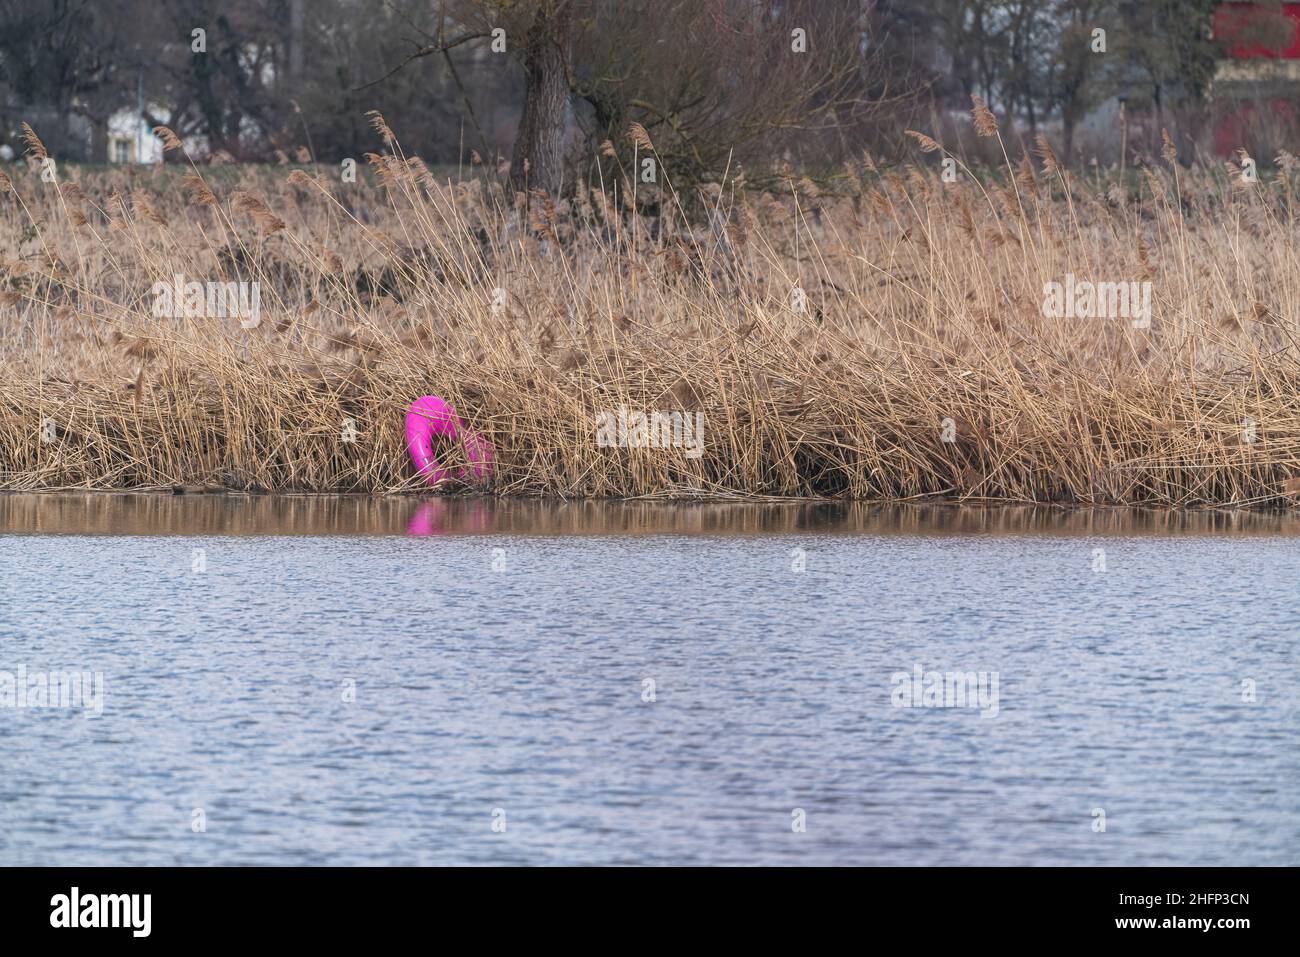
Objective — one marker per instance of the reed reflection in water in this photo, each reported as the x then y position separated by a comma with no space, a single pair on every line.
97,513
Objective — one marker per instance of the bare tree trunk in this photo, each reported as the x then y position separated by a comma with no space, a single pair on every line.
295,47
99,139
538,155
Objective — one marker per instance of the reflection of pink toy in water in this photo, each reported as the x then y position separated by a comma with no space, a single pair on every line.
441,516
428,519
431,417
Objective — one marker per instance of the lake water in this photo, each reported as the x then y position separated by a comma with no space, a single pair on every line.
384,681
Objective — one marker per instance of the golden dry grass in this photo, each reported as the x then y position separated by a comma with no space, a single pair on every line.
923,303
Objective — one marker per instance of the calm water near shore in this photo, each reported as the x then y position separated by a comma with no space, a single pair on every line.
340,680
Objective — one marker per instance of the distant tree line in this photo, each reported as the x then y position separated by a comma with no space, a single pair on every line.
1053,61
553,86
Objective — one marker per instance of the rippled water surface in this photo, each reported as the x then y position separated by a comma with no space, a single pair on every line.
502,662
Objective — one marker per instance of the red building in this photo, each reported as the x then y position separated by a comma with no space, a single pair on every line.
1260,70
1250,31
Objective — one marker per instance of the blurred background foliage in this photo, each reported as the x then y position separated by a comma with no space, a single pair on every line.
719,86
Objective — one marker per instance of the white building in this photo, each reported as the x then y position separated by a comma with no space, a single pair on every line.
131,141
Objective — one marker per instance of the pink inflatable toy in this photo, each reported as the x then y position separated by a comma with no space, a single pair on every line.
431,417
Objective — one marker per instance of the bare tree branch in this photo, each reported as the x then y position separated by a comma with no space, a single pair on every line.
422,52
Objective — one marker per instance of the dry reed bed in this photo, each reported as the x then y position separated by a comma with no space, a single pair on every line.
923,303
